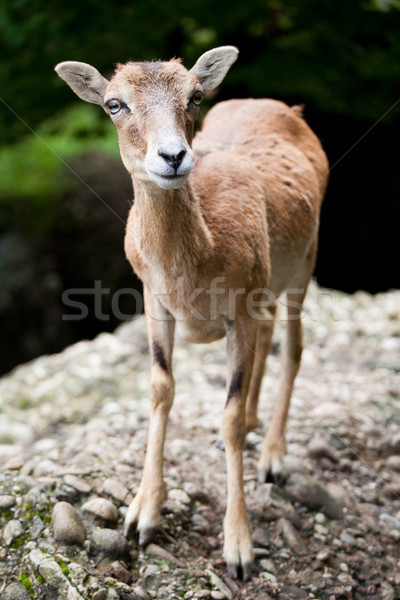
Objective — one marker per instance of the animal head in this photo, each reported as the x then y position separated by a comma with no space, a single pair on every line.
154,106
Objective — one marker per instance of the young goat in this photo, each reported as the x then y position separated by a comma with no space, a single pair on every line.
217,233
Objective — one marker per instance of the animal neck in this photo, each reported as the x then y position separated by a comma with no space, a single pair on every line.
171,226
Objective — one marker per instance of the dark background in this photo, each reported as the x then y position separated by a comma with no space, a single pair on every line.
60,168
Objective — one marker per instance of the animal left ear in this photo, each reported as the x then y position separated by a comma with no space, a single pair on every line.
84,79
211,67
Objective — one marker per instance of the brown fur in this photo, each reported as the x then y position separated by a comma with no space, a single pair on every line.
246,220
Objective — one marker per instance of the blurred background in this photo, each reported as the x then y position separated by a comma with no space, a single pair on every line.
60,167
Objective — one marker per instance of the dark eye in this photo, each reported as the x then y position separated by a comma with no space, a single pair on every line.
114,106
196,98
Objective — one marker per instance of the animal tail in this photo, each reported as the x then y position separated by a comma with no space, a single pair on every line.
298,109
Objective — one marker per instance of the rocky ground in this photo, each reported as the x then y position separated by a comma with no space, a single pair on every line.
72,439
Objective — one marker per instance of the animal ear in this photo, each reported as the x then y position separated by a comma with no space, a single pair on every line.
84,79
211,67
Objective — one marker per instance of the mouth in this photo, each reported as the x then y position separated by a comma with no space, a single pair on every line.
171,177
173,181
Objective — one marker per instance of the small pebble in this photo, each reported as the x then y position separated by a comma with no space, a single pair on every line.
392,490
140,593
12,530
212,542
101,508
179,496
121,573
260,537
318,528
7,501
77,483
323,555
291,536
292,591
267,565
46,467
36,527
320,518
270,577
116,489
393,462
319,448
13,463
200,523
348,538
159,552
100,595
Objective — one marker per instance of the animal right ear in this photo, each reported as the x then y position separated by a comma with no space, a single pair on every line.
84,79
212,66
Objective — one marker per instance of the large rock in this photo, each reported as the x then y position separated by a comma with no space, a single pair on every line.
67,524
311,494
16,591
45,566
111,543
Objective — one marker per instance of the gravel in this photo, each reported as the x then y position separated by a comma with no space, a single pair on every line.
72,446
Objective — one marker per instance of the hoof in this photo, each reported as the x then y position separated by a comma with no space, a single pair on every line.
220,444
267,476
129,530
237,571
147,536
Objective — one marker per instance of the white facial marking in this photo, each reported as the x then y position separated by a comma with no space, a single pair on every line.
169,158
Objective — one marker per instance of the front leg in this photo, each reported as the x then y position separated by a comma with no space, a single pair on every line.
238,550
144,511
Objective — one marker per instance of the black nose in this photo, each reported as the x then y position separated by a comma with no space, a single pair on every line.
174,160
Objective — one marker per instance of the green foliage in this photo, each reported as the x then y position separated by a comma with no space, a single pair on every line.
383,5
31,167
24,579
43,513
24,403
342,57
18,542
63,566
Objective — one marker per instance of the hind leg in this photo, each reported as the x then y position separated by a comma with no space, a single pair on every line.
274,448
265,329
270,466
